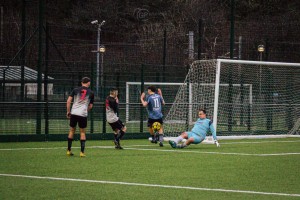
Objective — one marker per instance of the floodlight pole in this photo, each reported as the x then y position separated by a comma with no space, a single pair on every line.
101,71
260,49
98,60
102,51
99,25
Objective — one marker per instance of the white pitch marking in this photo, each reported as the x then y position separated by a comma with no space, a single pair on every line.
212,152
49,148
153,185
35,148
258,142
163,150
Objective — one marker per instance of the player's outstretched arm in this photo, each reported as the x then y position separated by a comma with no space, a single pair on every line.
145,103
159,91
214,134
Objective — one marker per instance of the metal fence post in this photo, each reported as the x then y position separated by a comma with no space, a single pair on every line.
104,106
141,106
92,88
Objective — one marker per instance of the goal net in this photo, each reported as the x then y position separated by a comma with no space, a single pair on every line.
243,98
296,128
133,92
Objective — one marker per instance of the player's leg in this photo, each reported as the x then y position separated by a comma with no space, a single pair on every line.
151,131
161,133
73,123
120,135
115,130
70,140
192,139
183,135
117,139
82,123
161,136
82,142
177,140
189,141
123,131
120,130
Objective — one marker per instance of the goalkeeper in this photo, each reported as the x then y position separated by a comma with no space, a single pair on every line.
197,134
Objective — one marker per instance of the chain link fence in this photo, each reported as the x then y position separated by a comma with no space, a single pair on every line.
151,52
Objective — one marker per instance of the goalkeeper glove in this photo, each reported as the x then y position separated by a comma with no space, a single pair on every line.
217,143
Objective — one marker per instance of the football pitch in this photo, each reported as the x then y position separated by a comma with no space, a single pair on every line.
239,169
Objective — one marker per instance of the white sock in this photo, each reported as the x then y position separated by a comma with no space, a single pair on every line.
178,139
183,145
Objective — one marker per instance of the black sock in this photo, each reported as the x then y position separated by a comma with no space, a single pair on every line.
116,137
82,144
70,143
122,133
153,138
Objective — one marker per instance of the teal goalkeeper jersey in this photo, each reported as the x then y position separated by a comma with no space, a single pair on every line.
202,126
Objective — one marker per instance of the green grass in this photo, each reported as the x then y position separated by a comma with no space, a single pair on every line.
236,166
56,126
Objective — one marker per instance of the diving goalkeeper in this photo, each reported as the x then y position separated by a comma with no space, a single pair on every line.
197,134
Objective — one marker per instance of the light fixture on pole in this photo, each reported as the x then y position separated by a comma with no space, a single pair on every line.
99,25
102,51
260,49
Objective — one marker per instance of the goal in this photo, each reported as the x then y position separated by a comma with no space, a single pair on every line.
243,98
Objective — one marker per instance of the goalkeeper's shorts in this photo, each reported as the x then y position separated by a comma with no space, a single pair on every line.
197,138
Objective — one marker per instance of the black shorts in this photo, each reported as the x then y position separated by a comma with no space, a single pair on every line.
151,121
82,121
118,125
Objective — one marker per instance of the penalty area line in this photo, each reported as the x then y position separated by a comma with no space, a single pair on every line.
258,142
212,152
151,185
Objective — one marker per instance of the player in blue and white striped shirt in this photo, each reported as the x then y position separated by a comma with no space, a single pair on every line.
198,132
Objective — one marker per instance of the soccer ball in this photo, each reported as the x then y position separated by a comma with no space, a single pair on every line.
156,126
